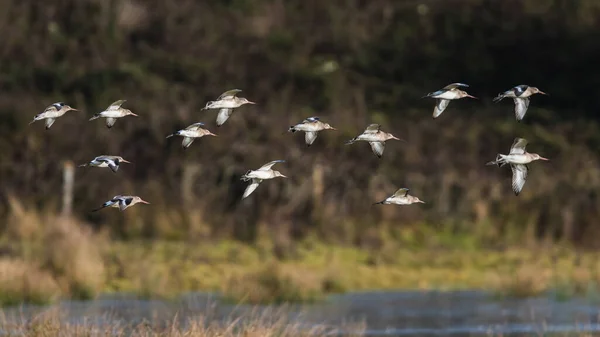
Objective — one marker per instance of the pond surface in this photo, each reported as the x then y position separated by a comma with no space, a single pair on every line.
463,313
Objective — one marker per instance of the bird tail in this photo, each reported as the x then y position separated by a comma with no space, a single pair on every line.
97,209
428,95
171,135
351,141
379,203
498,98
83,165
96,116
499,161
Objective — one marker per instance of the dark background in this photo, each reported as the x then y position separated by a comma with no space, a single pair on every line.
350,62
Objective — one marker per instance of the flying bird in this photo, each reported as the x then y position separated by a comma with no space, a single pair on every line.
122,202
226,103
444,95
375,137
52,112
111,162
190,133
311,126
257,176
518,158
400,197
520,95
113,112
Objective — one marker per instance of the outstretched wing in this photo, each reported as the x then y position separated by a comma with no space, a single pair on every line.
186,142
116,105
223,115
373,128
440,106
253,185
377,148
114,166
310,120
195,126
110,121
518,146
519,175
521,105
401,192
519,89
455,85
49,122
268,166
124,202
310,137
229,94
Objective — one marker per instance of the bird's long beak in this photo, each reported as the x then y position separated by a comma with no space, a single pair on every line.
212,134
73,109
144,202
471,96
421,201
125,161
251,102
543,93
542,158
134,114
332,128
283,176
396,138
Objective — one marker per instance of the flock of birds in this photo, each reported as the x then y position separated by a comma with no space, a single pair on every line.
518,157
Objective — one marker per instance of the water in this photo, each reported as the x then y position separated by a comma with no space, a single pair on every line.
464,313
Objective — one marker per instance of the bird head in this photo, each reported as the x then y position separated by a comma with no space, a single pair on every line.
140,200
535,90
278,174
245,101
128,112
122,160
328,127
538,157
462,93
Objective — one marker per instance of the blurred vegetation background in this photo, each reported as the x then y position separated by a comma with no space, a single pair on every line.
350,62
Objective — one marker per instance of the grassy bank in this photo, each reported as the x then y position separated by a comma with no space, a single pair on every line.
265,324
46,257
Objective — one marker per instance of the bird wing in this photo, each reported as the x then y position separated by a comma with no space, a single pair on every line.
116,105
377,148
124,202
401,192
195,126
268,166
310,120
223,115
373,128
455,85
440,106
519,175
521,105
110,121
229,93
49,122
114,166
519,89
310,137
186,142
251,188
518,146
52,108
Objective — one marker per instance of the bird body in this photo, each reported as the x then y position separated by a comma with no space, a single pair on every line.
113,112
375,137
190,133
122,202
226,102
520,95
445,95
518,158
257,176
106,161
311,126
52,112
400,197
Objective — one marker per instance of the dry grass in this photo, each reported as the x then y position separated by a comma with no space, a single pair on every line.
265,324
59,248
22,281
